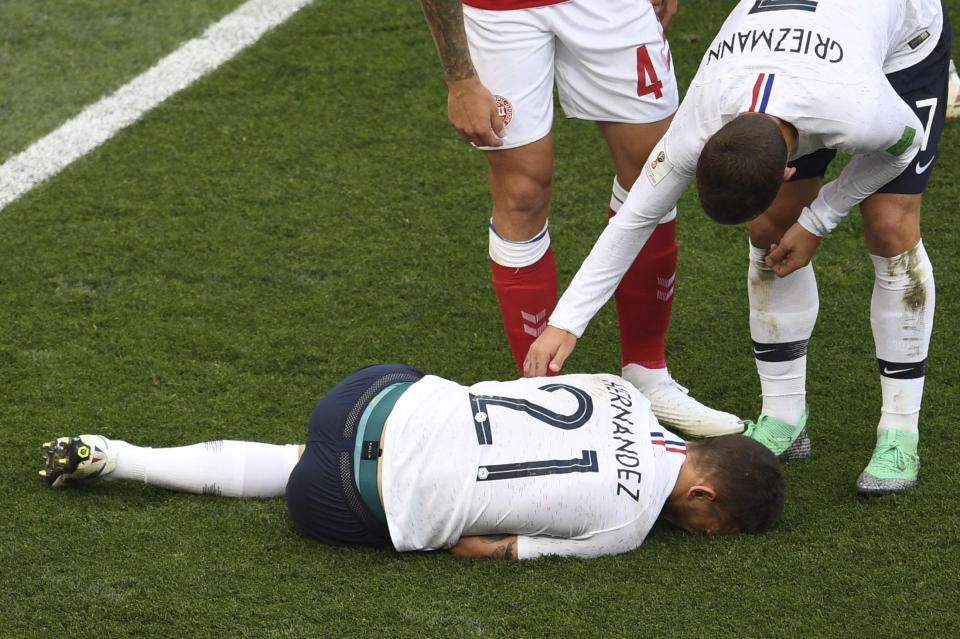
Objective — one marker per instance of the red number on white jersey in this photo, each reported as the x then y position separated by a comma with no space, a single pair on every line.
645,72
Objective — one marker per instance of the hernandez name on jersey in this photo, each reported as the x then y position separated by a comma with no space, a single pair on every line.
575,464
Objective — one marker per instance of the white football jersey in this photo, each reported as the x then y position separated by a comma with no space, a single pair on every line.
819,65
575,464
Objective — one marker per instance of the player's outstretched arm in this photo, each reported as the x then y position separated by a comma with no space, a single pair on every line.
490,546
795,250
471,108
549,352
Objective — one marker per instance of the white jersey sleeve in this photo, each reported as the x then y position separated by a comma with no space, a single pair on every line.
890,141
654,195
607,542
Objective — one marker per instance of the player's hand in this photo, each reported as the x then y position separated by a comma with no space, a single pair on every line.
665,10
794,251
472,110
549,352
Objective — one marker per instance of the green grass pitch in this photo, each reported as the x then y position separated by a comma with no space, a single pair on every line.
306,209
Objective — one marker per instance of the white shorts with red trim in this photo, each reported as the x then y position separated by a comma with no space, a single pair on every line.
610,60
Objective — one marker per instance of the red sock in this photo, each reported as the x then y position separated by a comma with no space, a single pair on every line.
527,296
645,298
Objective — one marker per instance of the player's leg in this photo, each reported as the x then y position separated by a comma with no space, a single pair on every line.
901,317
904,295
521,260
513,53
614,67
644,297
223,468
783,312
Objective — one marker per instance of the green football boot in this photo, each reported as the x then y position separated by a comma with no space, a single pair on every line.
73,458
789,442
894,466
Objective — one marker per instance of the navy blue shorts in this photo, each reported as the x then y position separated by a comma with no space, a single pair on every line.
322,496
923,87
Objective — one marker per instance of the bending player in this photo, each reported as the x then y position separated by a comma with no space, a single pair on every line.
612,65
573,465
797,81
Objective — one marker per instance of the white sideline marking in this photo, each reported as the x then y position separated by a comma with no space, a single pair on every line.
101,120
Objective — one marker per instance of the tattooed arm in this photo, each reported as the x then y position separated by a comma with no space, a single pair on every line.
492,546
471,108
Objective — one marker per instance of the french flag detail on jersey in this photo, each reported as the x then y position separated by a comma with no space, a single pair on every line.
672,445
763,86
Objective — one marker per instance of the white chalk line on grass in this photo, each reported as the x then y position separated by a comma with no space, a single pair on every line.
101,120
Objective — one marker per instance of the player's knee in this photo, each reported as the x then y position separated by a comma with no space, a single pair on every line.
766,230
522,217
885,229
891,225
783,212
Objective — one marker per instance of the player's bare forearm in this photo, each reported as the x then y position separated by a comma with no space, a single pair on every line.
665,10
488,546
445,18
471,108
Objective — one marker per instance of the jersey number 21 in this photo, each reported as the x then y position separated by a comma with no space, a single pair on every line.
586,463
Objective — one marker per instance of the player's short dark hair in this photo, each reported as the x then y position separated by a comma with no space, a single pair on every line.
741,168
748,480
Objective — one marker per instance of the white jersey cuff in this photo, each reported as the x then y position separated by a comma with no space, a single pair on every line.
819,218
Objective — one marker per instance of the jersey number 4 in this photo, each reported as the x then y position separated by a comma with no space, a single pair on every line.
586,463
647,80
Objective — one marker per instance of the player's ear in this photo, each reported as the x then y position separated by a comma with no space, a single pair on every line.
789,172
703,492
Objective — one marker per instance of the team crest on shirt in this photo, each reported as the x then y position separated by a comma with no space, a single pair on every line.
504,109
658,166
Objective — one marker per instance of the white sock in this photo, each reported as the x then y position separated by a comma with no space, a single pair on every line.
646,379
901,315
618,196
783,312
517,254
223,468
